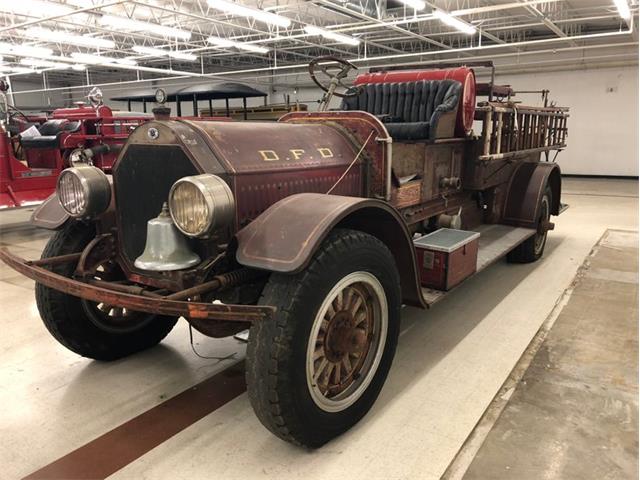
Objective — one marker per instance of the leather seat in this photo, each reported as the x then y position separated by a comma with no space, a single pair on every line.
410,110
50,132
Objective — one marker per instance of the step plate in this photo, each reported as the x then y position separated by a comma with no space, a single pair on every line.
494,243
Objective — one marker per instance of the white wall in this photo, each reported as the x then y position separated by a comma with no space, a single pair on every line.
603,122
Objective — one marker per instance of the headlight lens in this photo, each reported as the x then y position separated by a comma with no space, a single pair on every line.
200,204
84,191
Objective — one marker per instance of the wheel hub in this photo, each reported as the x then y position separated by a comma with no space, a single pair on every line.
343,337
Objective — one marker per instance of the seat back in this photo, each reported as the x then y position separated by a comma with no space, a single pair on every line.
404,101
54,127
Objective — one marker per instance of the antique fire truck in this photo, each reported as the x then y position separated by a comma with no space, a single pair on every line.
313,231
31,162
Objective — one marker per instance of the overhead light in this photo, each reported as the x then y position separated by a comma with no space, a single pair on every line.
623,9
226,43
60,36
78,67
338,37
415,4
34,8
454,22
36,62
259,15
24,50
128,24
158,52
100,60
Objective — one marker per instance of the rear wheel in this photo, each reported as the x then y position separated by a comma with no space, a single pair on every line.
532,249
94,330
316,368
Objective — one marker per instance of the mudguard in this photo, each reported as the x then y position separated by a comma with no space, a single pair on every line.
526,188
286,235
49,214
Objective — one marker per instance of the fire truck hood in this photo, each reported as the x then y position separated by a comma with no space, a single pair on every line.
248,147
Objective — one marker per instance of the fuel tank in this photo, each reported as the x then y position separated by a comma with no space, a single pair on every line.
261,162
464,75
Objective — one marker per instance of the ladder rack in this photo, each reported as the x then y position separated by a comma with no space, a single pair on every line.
510,130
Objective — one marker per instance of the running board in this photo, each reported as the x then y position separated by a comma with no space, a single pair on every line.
494,243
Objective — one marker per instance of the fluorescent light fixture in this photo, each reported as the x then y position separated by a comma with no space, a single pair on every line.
338,37
34,8
623,9
24,50
226,43
100,60
242,11
128,24
36,62
415,4
454,22
158,52
78,67
60,36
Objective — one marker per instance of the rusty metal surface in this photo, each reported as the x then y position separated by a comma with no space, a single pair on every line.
358,125
277,243
270,147
158,306
525,190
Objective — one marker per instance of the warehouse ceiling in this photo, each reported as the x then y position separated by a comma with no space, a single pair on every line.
74,43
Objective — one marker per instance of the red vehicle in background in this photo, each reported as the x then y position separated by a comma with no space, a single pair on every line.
35,149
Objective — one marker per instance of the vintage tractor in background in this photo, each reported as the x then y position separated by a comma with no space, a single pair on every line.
313,231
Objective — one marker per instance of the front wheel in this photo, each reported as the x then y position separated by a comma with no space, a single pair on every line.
94,330
317,367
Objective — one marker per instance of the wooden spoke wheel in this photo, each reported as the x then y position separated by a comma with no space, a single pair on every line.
346,341
108,317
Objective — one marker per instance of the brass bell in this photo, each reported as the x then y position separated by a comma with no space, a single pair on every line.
166,248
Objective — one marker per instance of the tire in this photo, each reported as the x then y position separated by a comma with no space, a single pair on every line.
532,249
281,354
80,325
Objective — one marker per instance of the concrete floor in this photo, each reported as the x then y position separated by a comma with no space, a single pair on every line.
574,414
450,363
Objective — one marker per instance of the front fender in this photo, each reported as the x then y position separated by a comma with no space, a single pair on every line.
286,235
50,214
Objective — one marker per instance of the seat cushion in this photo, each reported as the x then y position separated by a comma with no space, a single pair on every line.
406,108
43,141
50,132
408,130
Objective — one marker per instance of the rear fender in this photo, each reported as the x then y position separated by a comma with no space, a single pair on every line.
285,237
50,214
526,188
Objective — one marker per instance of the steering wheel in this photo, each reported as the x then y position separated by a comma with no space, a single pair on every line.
335,69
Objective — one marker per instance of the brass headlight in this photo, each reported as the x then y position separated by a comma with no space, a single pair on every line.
200,204
83,191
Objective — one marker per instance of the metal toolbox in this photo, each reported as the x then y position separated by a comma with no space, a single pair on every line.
446,257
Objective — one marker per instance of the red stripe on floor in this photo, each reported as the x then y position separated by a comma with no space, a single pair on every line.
126,443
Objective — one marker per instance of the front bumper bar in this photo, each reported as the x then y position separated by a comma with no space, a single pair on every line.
157,305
